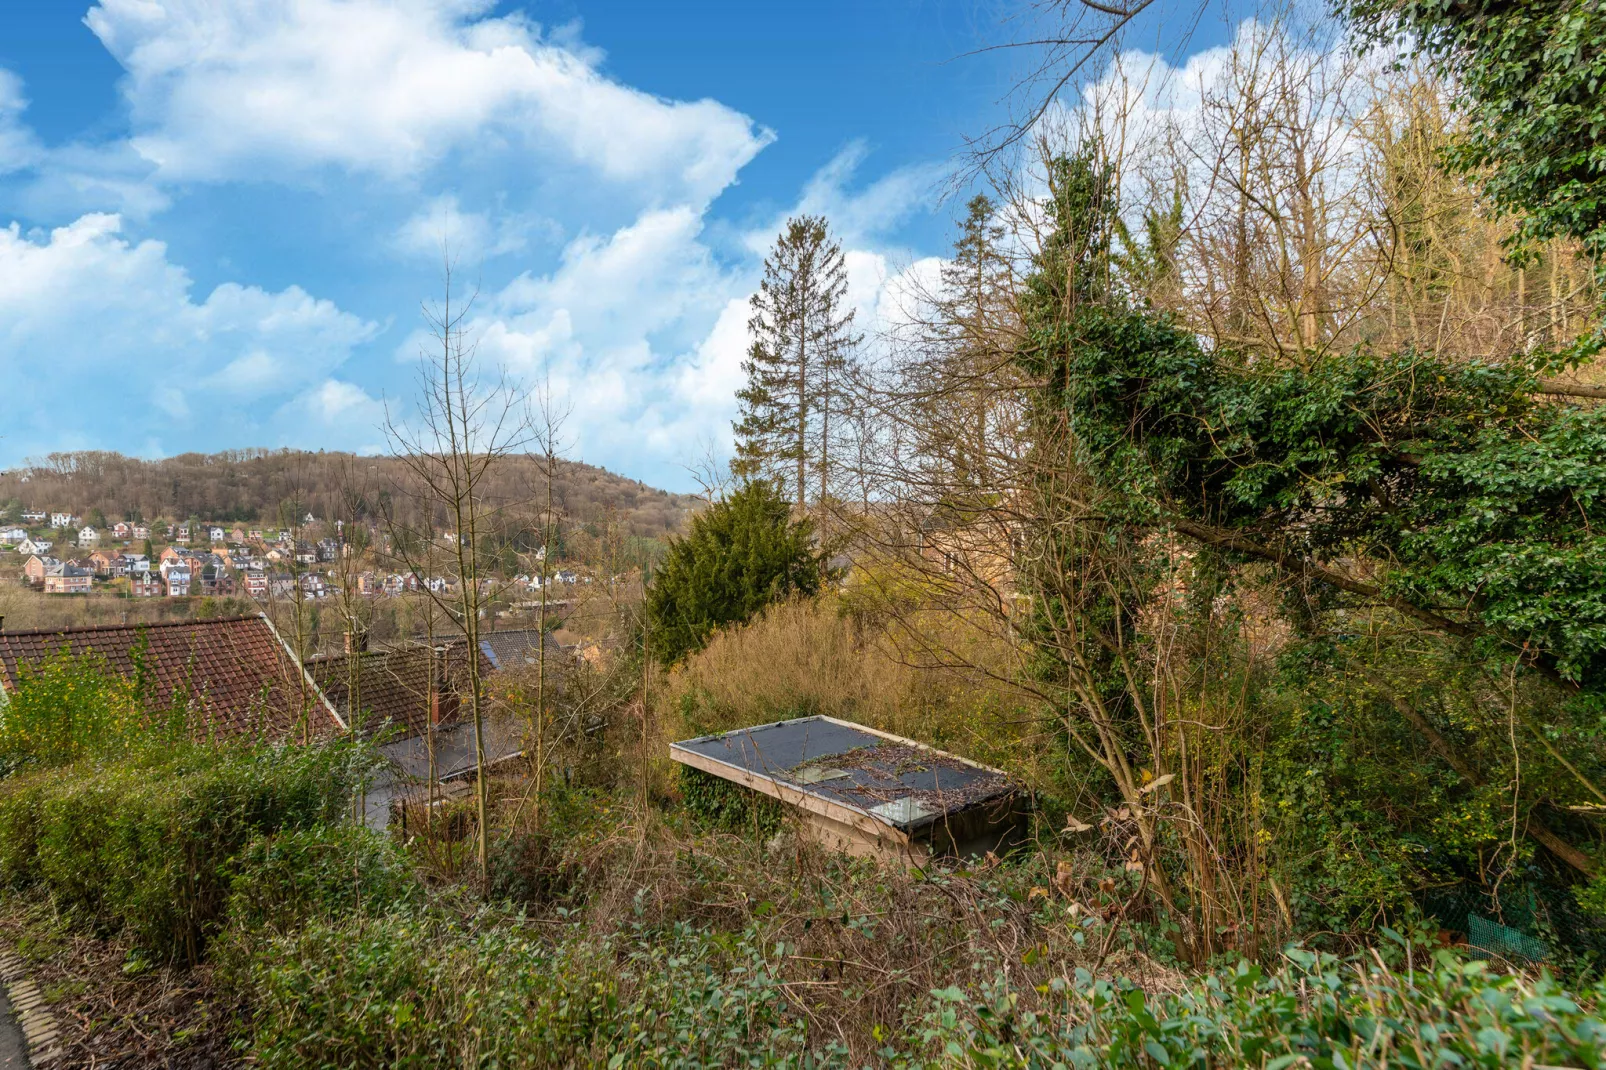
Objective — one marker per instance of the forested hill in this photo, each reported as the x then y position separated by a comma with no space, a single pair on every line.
255,485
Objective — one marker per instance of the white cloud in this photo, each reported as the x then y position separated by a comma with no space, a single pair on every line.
111,348
443,225
18,146
390,87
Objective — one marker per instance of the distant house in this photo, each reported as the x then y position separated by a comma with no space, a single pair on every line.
236,674
182,535
34,546
63,520
88,536
256,583
216,534
215,579
178,580
138,564
12,536
314,586
34,569
255,535
146,584
140,532
328,549
122,531
109,563
410,699
33,518
68,579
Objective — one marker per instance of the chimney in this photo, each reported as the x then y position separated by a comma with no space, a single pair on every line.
2,622
356,642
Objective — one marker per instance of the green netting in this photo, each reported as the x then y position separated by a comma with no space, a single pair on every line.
1492,938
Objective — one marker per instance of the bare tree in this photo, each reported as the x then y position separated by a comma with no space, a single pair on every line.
466,424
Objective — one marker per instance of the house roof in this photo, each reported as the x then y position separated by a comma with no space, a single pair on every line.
235,671
393,686
519,646
896,781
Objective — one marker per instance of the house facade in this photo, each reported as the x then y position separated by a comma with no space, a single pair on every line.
178,580
34,569
88,536
146,584
67,579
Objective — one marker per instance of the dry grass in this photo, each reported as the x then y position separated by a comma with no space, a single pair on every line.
808,657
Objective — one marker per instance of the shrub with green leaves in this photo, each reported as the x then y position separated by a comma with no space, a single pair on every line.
1319,1012
285,880
422,990
67,708
149,848
741,554
722,804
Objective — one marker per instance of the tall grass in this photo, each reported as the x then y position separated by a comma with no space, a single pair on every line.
810,657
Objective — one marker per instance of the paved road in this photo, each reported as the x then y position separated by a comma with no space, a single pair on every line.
13,1049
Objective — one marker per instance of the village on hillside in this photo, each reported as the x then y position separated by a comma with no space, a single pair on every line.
56,553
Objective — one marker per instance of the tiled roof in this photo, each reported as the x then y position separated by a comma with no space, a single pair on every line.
235,671
518,647
393,686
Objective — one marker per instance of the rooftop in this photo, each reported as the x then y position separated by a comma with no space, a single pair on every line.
234,671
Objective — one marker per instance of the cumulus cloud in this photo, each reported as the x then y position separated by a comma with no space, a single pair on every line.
390,87
111,348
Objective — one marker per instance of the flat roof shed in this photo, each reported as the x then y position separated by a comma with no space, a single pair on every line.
868,792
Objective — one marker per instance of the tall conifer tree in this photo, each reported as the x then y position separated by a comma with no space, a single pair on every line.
802,344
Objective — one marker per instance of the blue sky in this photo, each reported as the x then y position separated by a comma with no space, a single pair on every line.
217,219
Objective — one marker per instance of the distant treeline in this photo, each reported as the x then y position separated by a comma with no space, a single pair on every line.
270,486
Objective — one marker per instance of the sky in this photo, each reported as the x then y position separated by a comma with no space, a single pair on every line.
219,219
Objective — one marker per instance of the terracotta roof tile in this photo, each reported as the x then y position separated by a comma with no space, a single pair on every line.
393,686
234,671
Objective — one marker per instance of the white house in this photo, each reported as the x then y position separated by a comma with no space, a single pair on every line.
63,520
217,534
12,536
33,546
33,518
140,532
88,536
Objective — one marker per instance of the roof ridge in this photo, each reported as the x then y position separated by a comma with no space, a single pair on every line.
80,630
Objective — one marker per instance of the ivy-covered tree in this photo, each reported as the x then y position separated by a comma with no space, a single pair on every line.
742,553
1531,80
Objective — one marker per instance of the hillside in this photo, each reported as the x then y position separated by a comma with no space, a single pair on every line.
252,485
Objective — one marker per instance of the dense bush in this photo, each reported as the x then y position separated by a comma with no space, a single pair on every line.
415,990
70,708
741,554
722,804
283,881
1319,1012
150,848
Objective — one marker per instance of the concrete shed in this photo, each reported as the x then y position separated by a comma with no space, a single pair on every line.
867,792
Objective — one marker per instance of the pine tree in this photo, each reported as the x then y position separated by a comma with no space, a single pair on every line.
802,344
974,305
